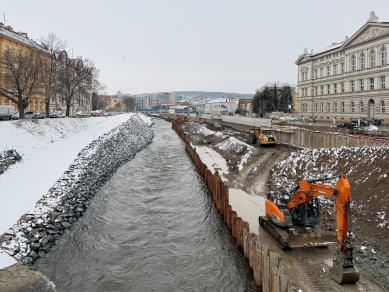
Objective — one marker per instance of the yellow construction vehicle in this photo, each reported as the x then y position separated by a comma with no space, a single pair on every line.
261,135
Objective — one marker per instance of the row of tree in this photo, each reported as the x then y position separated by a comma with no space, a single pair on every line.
48,73
271,99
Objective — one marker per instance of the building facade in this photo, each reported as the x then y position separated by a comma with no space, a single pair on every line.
18,42
347,79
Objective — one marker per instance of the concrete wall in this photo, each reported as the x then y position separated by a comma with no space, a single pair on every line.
296,136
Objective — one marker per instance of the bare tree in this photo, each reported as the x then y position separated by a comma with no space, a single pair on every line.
78,79
21,76
129,103
51,67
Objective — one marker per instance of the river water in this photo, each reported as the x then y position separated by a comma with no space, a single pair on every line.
152,227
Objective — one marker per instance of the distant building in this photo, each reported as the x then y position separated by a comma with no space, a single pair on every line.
172,97
220,106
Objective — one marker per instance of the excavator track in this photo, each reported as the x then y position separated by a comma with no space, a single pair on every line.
285,240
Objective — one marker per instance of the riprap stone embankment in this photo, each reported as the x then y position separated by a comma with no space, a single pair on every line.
40,228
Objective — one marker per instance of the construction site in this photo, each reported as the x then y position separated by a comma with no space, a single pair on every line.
340,174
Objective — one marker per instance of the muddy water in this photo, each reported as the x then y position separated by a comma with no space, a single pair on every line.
152,227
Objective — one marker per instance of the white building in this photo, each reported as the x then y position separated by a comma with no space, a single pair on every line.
220,106
349,78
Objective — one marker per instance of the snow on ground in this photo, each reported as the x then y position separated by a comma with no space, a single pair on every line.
233,144
48,148
29,136
146,119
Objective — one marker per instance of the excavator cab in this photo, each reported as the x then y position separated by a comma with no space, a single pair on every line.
308,214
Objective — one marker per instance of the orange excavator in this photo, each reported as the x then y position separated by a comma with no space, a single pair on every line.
293,219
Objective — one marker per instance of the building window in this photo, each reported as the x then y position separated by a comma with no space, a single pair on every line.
335,69
315,90
342,106
371,83
315,107
316,73
6,48
328,89
362,83
382,105
322,89
372,59
383,82
342,87
328,71
328,107
335,88
321,72
383,57
363,61
352,86
342,67
13,52
352,107
361,107
353,63
335,107
322,107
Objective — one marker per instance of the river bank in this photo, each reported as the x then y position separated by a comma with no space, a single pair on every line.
39,228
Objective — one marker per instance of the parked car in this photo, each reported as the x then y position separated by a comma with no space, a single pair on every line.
15,116
97,113
27,115
82,114
347,125
308,119
39,115
6,111
373,121
290,119
274,118
362,121
53,115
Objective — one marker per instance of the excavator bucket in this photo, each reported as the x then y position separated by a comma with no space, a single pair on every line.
344,275
311,240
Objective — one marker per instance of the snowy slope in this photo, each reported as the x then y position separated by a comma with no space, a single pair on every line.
48,148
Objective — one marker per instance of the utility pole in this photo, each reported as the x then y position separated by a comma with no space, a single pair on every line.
4,18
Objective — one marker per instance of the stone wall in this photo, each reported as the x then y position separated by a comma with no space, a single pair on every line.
40,228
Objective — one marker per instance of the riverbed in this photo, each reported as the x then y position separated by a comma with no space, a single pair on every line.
153,226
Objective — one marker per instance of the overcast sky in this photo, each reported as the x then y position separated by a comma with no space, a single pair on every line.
206,45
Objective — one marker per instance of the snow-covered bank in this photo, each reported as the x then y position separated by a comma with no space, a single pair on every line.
22,187
29,136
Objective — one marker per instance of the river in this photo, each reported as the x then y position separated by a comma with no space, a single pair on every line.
152,227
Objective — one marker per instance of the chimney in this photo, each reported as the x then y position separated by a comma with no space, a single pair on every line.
24,34
1,24
9,28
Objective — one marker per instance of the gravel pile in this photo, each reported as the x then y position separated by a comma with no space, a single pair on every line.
38,230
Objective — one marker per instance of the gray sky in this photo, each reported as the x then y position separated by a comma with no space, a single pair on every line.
207,45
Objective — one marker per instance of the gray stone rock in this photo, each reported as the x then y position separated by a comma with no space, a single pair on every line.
65,224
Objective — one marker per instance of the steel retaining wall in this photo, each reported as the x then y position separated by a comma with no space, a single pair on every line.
264,263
